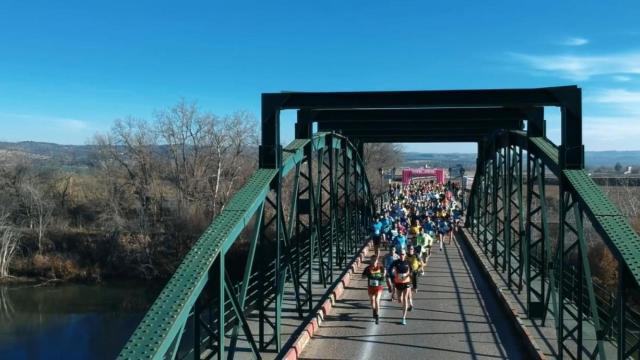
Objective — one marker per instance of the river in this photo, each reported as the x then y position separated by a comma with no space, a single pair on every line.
70,321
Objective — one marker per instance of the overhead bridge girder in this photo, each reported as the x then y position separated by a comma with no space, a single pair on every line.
420,139
448,126
549,96
418,125
412,135
476,114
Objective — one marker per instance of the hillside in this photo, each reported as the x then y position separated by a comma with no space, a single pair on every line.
593,159
81,155
52,154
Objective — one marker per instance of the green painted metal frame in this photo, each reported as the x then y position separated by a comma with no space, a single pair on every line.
538,244
516,221
184,304
543,271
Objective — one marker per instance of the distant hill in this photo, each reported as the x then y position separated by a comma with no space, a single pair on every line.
593,159
610,158
81,155
53,154
416,159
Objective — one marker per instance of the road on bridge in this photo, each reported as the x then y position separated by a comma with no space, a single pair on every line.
455,316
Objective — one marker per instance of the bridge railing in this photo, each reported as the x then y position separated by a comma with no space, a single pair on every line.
509,214
287,230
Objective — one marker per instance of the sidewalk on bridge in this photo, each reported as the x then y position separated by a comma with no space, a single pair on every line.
294,333
543,337
456,316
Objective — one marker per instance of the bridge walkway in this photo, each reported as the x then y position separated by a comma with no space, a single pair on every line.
456,315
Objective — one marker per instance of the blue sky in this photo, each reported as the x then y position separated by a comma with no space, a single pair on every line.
68,69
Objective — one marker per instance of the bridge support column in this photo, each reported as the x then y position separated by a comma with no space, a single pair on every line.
320,217
486,210
334,248
571,240
623,278
506,211
221,301
270,157
516,252
495,179
537,247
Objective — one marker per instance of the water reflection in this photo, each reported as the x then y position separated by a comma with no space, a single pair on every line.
70,321
6,307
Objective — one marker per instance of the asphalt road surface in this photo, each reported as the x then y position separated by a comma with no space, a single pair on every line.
455,316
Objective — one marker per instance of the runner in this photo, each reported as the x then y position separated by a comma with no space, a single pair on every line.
388,261
375,272
448,221
443,229
402,280
414,230
376,230
423,246
386,227
457,218
400,242
429,227
416,265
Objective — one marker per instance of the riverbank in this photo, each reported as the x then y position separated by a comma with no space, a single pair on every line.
84,256
20,280
74,256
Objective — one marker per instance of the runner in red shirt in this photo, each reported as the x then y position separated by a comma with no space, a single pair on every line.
375,284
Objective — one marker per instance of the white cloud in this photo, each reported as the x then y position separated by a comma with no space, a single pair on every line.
60,123
73,124
582,67
619,129
45,128
575,41
611,133
616,96
621,78
620,102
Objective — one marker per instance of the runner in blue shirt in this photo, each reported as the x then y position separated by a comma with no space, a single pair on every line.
443,229
388,260
400,242
386,226
376,234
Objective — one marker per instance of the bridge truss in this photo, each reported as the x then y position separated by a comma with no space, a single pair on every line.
305,210
306,216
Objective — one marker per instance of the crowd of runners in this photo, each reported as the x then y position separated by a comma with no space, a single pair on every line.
417,217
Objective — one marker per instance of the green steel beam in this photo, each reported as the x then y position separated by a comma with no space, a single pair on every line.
605,217
429,115
549,96
165,319
440,126
579,192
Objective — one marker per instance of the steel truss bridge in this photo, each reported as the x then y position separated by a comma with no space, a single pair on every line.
283,241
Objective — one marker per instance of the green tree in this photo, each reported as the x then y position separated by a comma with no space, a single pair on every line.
617,167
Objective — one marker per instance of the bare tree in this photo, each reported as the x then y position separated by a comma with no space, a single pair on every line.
206,153
132,145
9,240
241,132
381,155
39,210
188,135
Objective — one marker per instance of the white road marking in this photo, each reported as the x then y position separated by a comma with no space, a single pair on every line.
371,334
